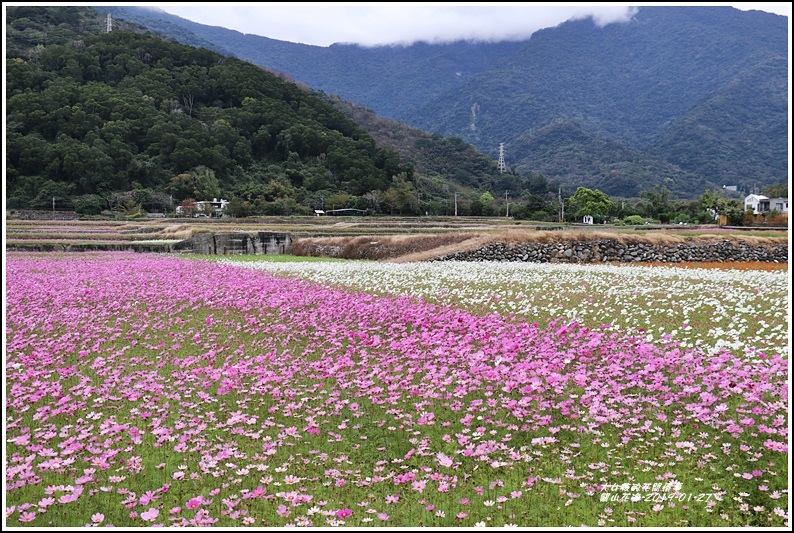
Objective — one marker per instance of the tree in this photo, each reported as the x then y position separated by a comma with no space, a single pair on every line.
374,197
589,202
200,182
189,207
714,202
89,204
486,200
778,190
659,205
238,208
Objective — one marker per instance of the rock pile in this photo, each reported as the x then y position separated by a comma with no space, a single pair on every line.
612,250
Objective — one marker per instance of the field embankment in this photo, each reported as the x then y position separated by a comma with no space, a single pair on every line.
583,246
402,239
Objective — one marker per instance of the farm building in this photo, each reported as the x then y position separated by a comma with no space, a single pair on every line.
761,204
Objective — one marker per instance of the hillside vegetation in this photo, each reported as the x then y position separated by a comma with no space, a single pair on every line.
122,111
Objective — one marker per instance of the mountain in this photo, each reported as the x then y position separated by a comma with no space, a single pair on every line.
678,96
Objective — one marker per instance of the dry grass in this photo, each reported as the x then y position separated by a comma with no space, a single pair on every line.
177,231
380,247
424,247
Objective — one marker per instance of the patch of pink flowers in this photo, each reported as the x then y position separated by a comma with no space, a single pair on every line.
112,357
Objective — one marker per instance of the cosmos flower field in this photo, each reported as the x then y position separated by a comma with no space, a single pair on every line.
146,390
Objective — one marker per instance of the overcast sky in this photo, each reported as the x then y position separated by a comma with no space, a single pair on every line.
387,23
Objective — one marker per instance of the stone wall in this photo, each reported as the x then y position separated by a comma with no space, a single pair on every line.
612,250
260,243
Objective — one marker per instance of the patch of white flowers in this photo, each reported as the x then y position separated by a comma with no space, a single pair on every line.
744,311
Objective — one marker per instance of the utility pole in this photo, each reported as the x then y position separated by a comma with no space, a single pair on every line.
456,205
562,206
110,24
53,205
507,207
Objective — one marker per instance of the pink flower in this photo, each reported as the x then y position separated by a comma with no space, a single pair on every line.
97,518
344,513
194,503
443,460
383,516
150,515
26,516
67,498
45,502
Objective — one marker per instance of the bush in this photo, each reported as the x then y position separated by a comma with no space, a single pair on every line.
634,220
89,204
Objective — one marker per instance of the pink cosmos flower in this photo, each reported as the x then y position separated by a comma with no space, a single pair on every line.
97,518
443,460
344,513
26,516
67,498
45,502
194,503
150,515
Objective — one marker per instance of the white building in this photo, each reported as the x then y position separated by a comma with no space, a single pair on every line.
761,204
207,208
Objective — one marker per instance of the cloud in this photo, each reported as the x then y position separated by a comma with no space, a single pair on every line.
393,23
